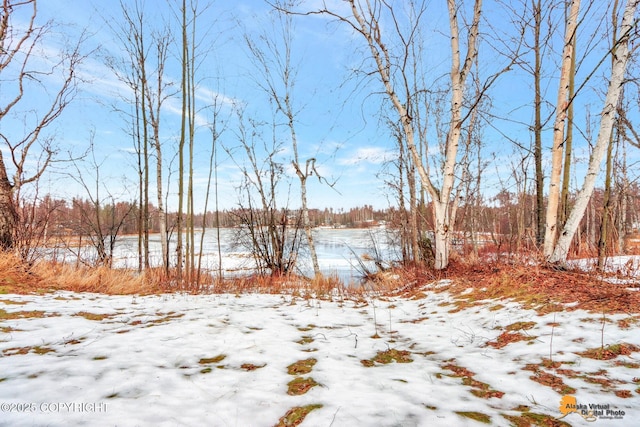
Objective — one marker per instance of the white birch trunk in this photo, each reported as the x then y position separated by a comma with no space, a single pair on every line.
621,56
369,28
551,224
441,244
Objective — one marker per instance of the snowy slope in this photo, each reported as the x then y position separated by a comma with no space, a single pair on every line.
221,360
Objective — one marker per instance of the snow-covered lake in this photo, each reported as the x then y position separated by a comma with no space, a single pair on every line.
340,251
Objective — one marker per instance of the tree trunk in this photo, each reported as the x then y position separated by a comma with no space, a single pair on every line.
551,226
622,220
441,243
162,216
183,138
606,211
537,75
568,145
416,256
606,208
8,214
306,223
620,58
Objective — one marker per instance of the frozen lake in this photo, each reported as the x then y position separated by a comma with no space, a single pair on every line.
340,252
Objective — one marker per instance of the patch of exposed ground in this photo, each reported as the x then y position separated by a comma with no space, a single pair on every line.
478,388
535,287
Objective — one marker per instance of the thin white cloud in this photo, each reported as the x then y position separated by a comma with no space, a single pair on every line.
208,96
371,155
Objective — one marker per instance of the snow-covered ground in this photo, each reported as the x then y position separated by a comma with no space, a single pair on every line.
222,360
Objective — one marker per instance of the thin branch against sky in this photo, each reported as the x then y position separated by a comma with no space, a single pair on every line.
341,109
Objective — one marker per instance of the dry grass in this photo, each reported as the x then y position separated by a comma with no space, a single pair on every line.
296,415
15,275
477,416
300,385
43,276
507,338
529,419
98,279
327,287
388,356
301,367
534,286
610,352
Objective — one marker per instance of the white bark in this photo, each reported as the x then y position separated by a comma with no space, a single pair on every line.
621,55
551,224
369,28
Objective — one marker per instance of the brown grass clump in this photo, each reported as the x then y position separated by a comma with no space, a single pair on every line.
478,388
534,286
301,367
529,419
322,286
550,380
46,276
300,385
388,356
251,367
7,315
295,416
477,416
507,338
15,276
610,352
25,350
209,360
98,279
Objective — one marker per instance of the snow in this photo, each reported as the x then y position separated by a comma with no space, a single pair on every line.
140,363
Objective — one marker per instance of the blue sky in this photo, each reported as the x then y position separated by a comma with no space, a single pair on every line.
338,121
349,148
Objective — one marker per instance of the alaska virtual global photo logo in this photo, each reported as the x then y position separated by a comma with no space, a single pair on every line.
590,411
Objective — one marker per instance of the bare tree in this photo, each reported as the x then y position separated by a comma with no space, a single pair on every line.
615,136
272,56
620,52
390,48
217,127
142,70
268,229
557,150
101,221
24,74
193,49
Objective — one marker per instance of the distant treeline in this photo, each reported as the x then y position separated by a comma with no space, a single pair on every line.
75,217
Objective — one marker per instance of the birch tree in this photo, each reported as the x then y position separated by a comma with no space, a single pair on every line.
389,44
557,150
607,202
142,70
620,52
191,55
268,229
184,131
273,58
